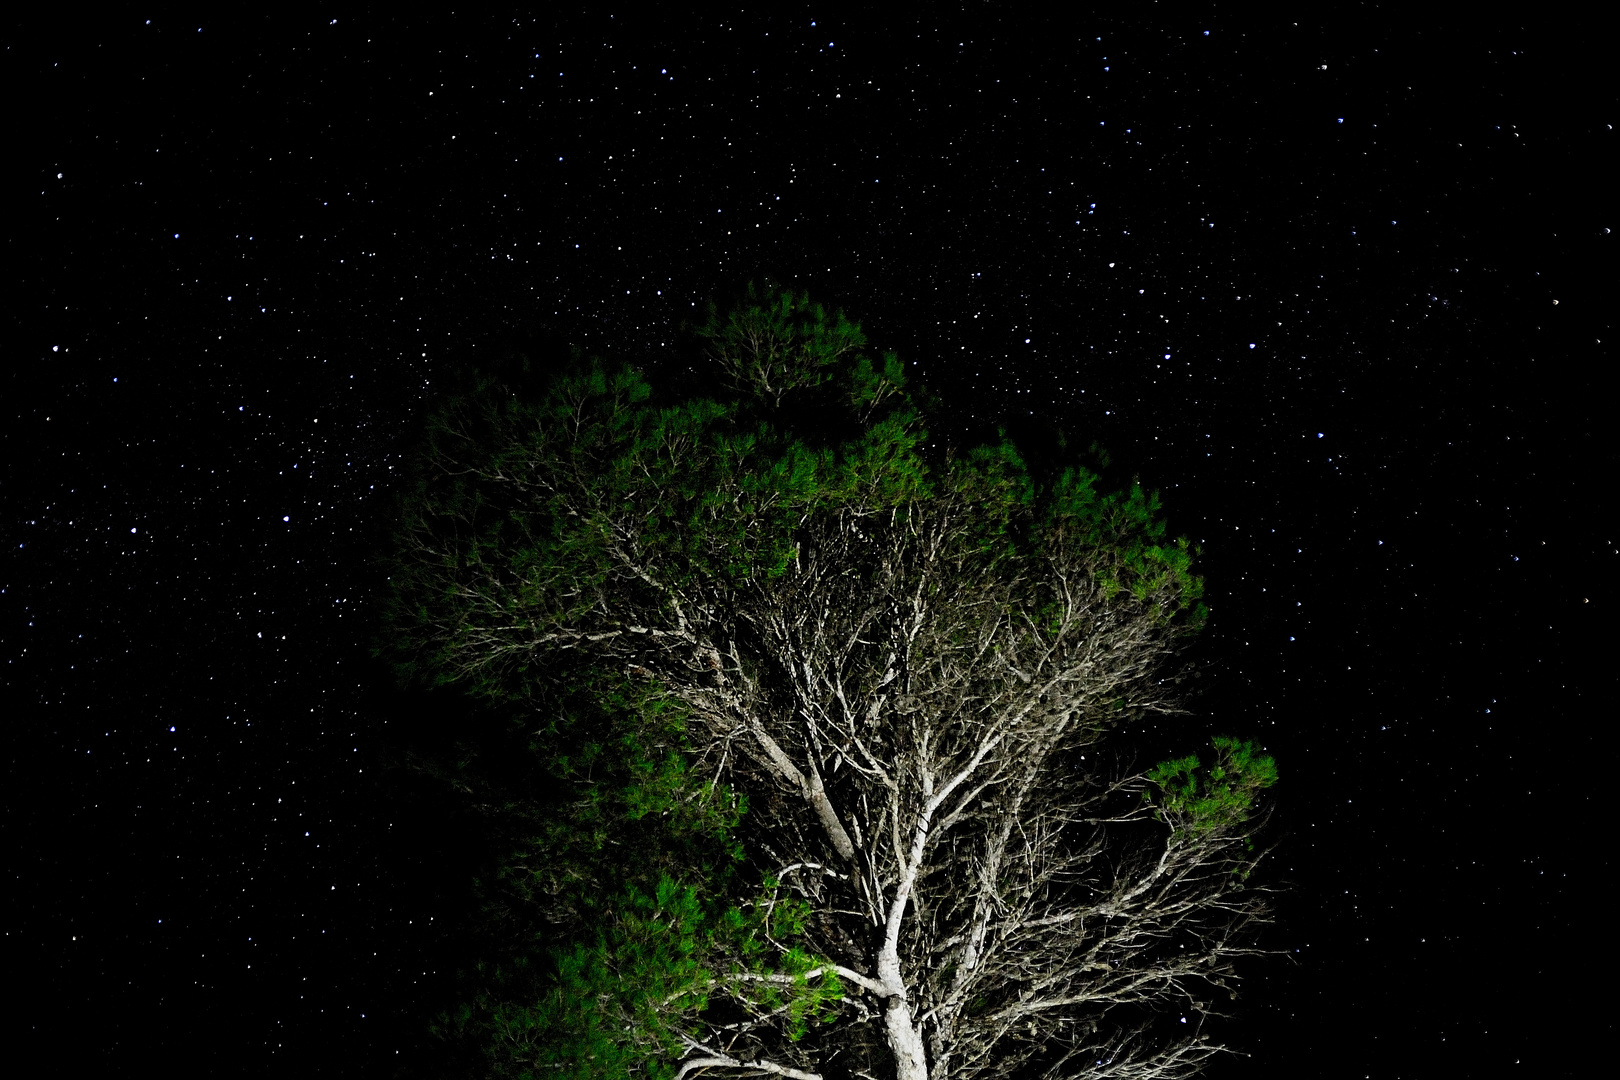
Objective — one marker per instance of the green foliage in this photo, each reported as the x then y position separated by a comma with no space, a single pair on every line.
598,952
1126,530
589,810
616,1005
625,806
516,508
1198,800
521,511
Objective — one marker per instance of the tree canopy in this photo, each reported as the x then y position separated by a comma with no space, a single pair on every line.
869,685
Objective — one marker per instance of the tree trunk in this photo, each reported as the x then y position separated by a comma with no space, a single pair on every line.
906,1041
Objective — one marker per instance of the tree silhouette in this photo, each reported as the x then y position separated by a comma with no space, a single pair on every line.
915,659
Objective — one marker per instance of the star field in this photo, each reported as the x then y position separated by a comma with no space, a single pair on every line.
1342,290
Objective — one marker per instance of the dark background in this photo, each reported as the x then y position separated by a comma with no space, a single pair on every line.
1342,288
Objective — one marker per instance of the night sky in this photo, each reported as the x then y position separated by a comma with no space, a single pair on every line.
1342,289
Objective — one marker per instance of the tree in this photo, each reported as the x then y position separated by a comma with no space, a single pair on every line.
915,658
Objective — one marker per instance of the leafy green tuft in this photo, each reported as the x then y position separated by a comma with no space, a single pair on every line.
1198,800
